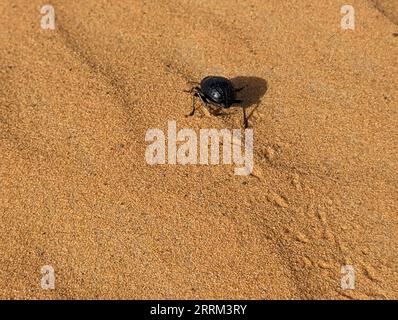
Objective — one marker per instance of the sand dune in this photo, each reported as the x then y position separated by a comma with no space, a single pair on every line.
76,192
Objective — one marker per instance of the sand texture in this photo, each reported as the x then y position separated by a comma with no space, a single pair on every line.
76,192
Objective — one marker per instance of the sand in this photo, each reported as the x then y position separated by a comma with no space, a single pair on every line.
76,192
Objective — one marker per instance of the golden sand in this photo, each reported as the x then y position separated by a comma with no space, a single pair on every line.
76,192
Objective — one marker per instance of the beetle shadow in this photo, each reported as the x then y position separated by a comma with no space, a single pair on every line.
254,88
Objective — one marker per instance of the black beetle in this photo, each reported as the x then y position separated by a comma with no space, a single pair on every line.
216,91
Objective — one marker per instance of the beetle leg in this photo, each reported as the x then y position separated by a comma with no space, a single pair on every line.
193,105
204,102
195,92
201,97
245,122
211,110
192,90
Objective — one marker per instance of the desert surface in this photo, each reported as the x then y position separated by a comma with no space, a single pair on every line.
76,191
